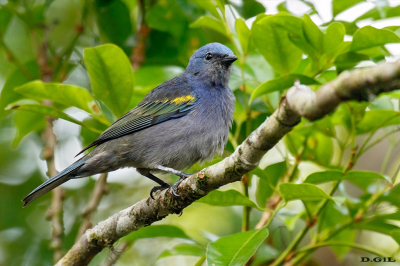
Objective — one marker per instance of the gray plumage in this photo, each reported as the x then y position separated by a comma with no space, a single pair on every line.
180,122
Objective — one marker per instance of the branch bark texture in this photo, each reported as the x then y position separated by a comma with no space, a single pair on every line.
300,101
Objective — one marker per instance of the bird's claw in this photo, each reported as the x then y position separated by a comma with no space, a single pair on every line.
174,187
183,176
157,188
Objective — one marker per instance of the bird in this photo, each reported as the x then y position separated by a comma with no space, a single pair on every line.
180,122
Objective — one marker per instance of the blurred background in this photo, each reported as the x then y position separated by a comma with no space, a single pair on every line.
45,39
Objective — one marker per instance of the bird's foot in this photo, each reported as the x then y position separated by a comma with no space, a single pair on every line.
157,188
175,186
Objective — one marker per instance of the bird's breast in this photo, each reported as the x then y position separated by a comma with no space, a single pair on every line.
213,115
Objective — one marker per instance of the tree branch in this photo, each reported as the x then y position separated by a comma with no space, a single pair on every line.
300,101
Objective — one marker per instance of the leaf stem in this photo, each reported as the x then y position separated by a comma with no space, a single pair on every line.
345,244
14,59
363,149
246,209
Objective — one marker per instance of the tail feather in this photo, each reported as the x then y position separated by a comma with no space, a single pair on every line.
53,182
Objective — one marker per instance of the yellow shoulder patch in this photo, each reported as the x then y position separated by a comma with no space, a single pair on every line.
165,100
183,99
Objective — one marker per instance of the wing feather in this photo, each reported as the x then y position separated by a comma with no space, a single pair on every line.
146,115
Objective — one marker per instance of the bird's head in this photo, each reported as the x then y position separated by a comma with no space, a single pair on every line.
212,62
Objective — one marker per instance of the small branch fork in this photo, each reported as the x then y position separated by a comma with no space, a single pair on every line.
300,101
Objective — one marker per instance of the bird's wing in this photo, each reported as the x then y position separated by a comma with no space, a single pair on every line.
147,114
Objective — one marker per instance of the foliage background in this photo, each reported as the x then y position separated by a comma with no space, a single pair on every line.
47,39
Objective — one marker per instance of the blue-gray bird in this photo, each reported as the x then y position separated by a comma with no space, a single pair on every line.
182,121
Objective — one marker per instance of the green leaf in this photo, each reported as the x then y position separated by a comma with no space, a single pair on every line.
167,16
27,105
333,44
157,231
380,11
339,6
68,15
5,18
113,20
319,146
325,126
26,122
331,217
333,37
235,249
148,77
356,176
111,76
368,37
208,6
323,177
320,48
281,83
395,234
306,36
88,136
313,35
377,225
67,95
183,249
392,196
374,119
351,27
268,180
243,34
15,79
377,53
221,5
209,22
227,198
264,254
383,102
274,44
249,8
305,192
393,11
349,60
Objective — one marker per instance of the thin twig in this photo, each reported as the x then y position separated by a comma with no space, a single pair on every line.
100,189
138,53
116,254
55,212
56,209
11,57
246,209
272,204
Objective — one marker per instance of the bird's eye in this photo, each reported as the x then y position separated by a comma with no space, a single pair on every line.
208,56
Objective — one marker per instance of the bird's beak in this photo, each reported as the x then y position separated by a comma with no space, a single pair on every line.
229,59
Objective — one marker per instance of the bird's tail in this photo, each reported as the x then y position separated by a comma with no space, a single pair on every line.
54,182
